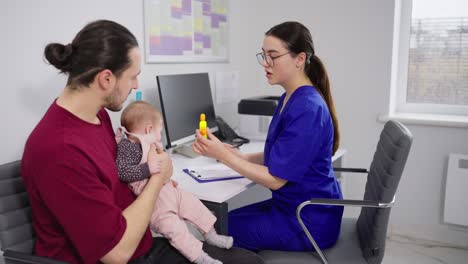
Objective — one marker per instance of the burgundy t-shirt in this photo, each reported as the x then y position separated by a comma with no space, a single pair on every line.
76,196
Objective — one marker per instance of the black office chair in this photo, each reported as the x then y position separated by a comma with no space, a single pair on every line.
16,230
361,240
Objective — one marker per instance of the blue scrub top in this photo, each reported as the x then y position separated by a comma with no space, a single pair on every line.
299,149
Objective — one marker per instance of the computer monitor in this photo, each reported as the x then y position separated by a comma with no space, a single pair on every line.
183,97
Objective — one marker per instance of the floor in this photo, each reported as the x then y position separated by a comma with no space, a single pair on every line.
402,250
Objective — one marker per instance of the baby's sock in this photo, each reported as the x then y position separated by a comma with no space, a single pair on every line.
205,259
218,240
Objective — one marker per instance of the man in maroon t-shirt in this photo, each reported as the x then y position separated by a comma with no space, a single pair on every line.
81,212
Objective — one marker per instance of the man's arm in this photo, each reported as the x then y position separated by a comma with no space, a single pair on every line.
138,214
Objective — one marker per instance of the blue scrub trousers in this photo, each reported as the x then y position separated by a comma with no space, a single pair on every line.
261,226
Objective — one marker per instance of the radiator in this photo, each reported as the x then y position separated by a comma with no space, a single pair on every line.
456,188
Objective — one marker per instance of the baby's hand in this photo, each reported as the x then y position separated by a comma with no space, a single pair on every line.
174,183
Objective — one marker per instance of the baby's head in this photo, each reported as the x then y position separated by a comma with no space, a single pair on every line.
140,117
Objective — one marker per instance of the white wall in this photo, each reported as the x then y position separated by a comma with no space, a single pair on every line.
31,85
353,38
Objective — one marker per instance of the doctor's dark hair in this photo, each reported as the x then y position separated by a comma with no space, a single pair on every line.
297,39
100,45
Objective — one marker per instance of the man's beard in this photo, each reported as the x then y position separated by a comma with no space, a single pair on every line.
113,100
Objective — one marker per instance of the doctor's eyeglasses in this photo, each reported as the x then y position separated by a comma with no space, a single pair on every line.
270,60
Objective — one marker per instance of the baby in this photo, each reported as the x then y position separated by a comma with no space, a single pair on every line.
142,125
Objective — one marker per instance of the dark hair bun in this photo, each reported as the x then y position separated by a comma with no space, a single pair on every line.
59,55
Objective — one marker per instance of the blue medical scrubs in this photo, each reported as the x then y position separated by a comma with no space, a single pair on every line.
298,149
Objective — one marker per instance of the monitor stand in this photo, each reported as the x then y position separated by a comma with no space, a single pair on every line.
186,150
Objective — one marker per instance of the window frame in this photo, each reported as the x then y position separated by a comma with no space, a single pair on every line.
399,78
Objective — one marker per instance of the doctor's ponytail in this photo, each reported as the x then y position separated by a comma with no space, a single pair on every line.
317,74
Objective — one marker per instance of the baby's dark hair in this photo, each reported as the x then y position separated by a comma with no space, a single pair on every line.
99,45
139,113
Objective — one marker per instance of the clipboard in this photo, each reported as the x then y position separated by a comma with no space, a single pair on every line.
204,175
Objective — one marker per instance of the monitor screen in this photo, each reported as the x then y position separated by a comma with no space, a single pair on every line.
183,97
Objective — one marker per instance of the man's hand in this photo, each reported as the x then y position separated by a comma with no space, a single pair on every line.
153,162
165,162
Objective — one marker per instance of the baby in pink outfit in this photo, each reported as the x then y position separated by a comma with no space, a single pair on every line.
142,125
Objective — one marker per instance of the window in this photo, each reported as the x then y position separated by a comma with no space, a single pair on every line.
430,59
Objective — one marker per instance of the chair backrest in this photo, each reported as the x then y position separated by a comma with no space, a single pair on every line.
16,229
382,182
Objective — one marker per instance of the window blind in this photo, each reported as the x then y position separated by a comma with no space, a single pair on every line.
438,61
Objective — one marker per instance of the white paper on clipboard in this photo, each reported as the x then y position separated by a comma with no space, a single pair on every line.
213,172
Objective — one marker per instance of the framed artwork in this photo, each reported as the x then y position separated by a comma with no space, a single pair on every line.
186,31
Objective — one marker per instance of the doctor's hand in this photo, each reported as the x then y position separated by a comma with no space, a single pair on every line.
210,147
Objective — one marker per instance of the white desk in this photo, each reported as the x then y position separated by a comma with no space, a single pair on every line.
219,191
215,194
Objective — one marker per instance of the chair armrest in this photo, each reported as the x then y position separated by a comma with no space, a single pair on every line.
345,202
11,256
339,202
356,170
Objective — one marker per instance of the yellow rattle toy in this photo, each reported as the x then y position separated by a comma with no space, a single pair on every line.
202,126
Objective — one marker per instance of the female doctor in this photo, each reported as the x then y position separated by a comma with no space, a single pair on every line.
296,163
